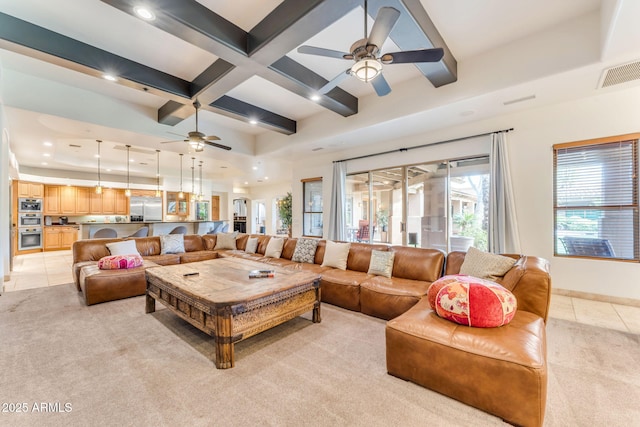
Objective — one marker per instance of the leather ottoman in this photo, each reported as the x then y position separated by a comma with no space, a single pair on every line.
502,370
108,285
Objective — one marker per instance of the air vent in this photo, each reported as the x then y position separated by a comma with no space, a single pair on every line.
620,74
134,150
75,145
317,149
524,98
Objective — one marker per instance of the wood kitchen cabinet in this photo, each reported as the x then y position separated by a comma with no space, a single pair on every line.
59,237
108,201
52,200
122,203
83,200
68,200
31,190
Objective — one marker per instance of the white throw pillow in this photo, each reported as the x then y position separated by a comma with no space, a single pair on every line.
274,247
252,245
172,244
226,240
336,254
126,247
485,264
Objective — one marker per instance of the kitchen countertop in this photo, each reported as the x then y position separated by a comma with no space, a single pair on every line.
145,222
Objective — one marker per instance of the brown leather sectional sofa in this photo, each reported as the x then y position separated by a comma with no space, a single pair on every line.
502,371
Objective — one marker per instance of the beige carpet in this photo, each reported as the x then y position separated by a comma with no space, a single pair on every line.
114,365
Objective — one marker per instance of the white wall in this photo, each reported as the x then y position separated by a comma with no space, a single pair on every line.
531,159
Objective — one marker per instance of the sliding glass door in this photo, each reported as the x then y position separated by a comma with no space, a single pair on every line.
442,205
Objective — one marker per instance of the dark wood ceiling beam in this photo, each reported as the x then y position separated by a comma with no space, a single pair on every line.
285,28
239,109
25,38
415,30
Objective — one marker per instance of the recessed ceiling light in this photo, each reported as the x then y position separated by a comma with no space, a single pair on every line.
315,97
47,155
266,177
246,183
97,156
48,143
44,163
144,13
253,121
255,168
108,170
131,160
110,77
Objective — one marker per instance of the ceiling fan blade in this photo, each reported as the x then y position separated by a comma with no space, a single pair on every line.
412,56
213,144
335,82
212,138
386,19
311,50
177,140
381,86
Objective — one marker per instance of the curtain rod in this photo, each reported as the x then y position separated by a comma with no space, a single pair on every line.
400,150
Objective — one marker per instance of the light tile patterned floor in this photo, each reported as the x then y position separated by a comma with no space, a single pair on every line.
54,268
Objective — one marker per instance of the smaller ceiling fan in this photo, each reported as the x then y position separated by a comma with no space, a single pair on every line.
197,140
368,64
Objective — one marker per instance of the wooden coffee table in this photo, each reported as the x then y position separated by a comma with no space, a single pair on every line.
222,301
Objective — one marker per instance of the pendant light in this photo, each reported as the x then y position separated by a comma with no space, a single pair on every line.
181,194
127,192
99,186
200,197
158,192
193,180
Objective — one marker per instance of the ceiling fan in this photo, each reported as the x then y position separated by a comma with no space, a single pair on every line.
197,140
365,52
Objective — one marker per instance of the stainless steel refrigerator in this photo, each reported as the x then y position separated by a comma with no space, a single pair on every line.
145,209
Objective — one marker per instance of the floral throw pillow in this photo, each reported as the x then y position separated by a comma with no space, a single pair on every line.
117,262
305,250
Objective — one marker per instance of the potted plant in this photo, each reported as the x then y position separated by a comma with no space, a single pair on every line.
383,219
464,237
285,212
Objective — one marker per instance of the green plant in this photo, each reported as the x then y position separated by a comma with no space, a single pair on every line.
285,211
383,218
465,222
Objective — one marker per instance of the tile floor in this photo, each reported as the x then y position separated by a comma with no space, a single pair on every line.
28,273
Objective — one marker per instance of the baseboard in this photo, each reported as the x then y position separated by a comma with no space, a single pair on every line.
597,297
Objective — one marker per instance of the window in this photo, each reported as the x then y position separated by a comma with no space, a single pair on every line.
312,210
441,205
596,198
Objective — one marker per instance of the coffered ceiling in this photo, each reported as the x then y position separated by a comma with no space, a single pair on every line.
240,60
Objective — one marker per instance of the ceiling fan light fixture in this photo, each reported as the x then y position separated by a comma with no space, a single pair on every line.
366,69
144,13
197,145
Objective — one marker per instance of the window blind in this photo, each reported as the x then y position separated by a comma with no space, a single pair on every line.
596,199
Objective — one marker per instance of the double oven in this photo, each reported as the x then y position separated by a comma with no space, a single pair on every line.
29,224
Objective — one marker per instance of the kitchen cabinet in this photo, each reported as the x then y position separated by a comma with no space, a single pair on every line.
67,200
108,201
176,205
52,200
95,203
59,237
83,200
215,208
122,203
31,190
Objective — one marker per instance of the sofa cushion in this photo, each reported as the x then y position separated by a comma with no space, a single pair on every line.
381,263
117,262
226,241
171,244
305,250
336,254
387,298
485,265
125,247
252,245
472,301
274,247
197,256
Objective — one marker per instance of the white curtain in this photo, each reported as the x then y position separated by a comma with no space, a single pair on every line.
503,225
337,229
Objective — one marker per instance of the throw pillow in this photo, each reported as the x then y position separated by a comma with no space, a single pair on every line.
336,254
471,301
381,263
252,245
116,262
226,240
172,244
126,247
305,250
274,247
485,265
435,287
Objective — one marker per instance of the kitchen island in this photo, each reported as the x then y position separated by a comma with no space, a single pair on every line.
156,228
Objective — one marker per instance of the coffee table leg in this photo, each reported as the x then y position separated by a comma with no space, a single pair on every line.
150,305
316,307
224,346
